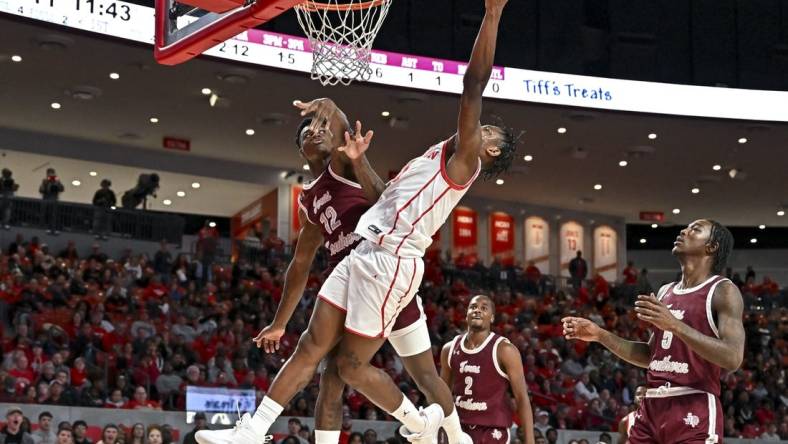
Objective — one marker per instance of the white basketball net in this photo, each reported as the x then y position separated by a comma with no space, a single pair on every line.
341,33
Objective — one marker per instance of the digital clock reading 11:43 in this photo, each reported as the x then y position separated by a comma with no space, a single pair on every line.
110,8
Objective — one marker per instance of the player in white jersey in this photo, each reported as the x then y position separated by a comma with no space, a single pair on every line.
628,421
383,273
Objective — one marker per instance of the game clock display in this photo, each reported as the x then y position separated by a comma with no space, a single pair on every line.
117,18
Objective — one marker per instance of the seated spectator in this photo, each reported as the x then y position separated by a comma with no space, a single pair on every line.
13,431
79,430
109,435
44,434
141,401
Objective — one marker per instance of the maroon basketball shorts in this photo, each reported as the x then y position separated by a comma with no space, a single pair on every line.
678,416
487,435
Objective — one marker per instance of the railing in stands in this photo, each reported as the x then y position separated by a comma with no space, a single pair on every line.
80,218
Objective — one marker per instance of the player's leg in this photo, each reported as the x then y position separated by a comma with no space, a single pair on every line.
694,419
412,344
643,430
322,334
328,411
353,361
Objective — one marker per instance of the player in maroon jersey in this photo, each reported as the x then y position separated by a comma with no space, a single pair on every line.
697,331
480,367
626,423
330,207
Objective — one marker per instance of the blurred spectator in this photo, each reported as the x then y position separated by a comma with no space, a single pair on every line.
578,270
44,434
141,401
155,435
630,274
109,435
13,431
65,436
8,188
200,423
79,429
207,244
136,434
542,423
104,200
643,284
294,429
162,262
50,190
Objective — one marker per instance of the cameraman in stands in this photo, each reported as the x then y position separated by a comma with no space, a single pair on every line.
50,190
103,200
8,188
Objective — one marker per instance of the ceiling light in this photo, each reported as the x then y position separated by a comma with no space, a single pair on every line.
213,99
249,132
167,202
652,136
598,186
642,240
206,91
499,182
761,227
76,182
306,167
654,225
528,158
754,241
623,163
385,114
561,130
676,211
695,190
743,140
181,193
195,185
16,58
154,120
212,224
113,207
55,105
732,173
716,167
781,213
93,174
114,76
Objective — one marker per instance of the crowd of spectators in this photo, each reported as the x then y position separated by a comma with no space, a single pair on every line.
132,331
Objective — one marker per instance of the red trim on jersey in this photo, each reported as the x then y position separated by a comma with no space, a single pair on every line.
386,299
331,303
358,333
407,204
407,292
413,227
445,174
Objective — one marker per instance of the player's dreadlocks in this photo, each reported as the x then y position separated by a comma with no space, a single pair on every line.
723,239
508,147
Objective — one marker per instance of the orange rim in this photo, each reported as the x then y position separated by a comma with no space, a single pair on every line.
315,6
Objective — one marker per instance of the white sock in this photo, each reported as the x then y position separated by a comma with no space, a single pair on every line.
326,436
451,424
408,414
266,414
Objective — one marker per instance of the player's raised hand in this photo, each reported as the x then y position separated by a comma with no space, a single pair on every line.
356,145
652,310
321,110
580,328
268,338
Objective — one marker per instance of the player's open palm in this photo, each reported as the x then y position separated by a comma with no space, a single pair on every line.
356,145
580,328
268,338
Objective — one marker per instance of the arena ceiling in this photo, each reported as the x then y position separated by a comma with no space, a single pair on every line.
107,122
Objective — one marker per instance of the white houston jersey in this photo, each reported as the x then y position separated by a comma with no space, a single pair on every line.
414,205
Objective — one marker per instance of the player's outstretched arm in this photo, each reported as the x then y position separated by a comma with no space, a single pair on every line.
728,350
325,114
465,160
512,362
309,240
355,148
635,352
445,369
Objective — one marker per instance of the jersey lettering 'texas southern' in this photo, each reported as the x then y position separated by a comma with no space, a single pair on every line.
334,204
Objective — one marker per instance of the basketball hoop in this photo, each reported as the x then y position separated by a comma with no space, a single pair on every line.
341,33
